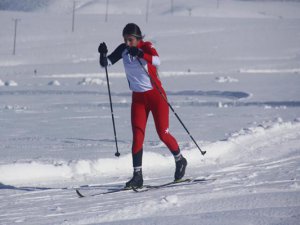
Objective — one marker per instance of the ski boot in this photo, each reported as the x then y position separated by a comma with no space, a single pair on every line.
180,168
136,181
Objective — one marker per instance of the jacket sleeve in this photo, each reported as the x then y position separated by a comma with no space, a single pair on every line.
116,55
150,54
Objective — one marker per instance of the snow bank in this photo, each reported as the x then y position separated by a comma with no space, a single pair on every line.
92,81
270,71
226,79
32,172
253,143
247,144
10,63
11,83
15,107
221,105
54,83
8,83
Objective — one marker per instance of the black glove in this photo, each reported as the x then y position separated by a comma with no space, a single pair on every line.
102,49
103,60
134,51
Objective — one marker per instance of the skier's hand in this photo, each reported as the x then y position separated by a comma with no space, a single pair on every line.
102,49
103,60
134,51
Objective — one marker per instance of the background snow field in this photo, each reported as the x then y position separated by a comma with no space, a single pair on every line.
232,72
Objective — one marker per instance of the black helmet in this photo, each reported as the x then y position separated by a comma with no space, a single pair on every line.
132,29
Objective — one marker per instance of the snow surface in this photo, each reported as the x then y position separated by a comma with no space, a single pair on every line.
91,81
226,79
232,73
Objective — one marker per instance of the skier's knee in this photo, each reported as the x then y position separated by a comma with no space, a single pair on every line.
163,138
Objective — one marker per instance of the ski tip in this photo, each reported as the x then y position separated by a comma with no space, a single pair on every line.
79,194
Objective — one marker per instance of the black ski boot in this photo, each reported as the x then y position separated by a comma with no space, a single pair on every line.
180,168
136,181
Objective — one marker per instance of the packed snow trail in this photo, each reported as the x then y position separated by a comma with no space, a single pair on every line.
256,170
254,143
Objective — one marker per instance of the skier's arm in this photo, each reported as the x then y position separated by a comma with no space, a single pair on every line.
150,55
116,55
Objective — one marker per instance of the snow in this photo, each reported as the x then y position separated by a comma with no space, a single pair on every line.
231,72
54,83
91,81
226,79
11,83
270,71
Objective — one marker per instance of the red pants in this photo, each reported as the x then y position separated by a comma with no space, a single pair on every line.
142,104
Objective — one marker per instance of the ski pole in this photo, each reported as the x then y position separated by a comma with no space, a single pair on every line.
117,154
164,97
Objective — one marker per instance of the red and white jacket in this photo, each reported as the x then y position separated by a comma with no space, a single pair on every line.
138,80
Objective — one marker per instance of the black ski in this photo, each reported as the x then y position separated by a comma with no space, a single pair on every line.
81,195
183,182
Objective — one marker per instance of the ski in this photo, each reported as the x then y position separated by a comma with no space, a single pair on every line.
81,195
178,183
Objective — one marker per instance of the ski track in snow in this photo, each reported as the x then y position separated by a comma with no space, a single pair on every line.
240,190
252,141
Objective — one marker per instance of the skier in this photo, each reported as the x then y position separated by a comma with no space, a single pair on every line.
145,97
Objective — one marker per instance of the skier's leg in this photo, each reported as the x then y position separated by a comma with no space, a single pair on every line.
160,111
139,115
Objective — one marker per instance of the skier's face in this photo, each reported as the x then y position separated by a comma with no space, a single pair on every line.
131,41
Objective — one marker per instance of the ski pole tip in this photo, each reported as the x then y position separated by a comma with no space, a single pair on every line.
117,154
